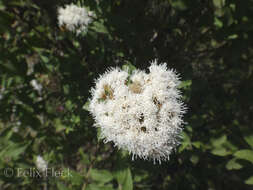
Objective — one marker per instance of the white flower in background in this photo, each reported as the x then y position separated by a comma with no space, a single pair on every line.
74,18
37,86
141,113
41,164
16,128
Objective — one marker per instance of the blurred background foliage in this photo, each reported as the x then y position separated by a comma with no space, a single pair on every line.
208,41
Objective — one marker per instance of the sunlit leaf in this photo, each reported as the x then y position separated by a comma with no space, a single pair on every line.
233,165
249,181
245,155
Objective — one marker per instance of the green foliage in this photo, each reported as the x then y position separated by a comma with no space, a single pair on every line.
245,154
208,42
102,176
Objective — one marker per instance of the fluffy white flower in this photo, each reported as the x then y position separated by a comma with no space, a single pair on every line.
37,86
141,113
74,18
41,164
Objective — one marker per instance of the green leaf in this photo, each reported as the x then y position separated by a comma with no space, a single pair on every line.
58,125
194,159
61,186
220,151
13,150
10,67
128,67
69,105
102,176
66,89
2,6
218,23
45,59
86,106
197,144
218,142
249,181
75,119
233,36
6,18
124,178
85,157
16,3
219,3
99,27
73,176
141,176
185,143
244,155
99,138
185,84
179,4
16,152
249,139
233,165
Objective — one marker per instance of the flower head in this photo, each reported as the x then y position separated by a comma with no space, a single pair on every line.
36,85
141,113
74,18
41,164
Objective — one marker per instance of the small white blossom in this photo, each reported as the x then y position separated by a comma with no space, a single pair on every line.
37,86
141,113
41,164
74,18
15,129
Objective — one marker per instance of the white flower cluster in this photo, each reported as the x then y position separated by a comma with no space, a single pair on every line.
74,18
141,112
41,164
36,85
